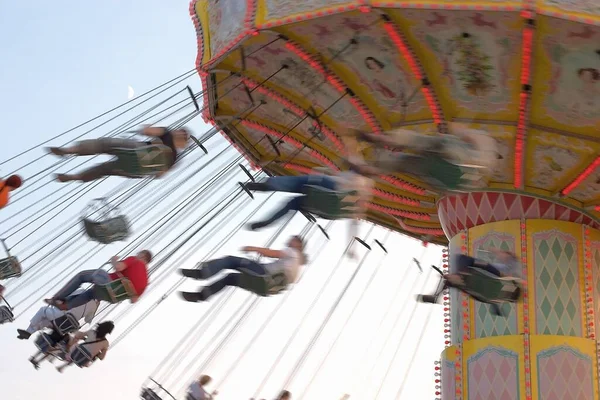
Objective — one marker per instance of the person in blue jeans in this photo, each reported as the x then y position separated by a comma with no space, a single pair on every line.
284,271
357,178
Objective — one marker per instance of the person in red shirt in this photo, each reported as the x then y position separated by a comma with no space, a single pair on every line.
132,268
6,186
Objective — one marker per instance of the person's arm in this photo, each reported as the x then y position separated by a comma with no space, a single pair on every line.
76,338
264,251
119,266
153,131
134,299
102,353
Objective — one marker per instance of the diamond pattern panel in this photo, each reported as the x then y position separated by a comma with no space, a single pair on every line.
456,326
556,268
493,375
463,211
448,379
486,323
565,374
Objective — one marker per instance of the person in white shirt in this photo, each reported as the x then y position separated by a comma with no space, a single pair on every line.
94,342
45,315
196,389
457,161
284,271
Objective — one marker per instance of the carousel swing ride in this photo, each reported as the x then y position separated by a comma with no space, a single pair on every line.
287,84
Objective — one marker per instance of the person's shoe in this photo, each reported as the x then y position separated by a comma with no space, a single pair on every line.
427,298
23,334
62,178
195,273
57,151
35,364
256,226
193,297
256,186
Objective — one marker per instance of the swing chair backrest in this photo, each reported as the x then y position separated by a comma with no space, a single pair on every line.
81,356
47,346
66,323
115,291
6,315
10,267
111,230
489,288
330,204
149,394
144,161
263,285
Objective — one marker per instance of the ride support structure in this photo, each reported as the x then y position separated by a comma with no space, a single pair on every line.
547,343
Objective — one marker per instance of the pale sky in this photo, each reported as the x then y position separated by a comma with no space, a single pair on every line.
64,63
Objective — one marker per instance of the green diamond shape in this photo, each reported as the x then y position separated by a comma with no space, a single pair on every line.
560,331
546,307
557,248
570,278
547,331
543,249
569,251
545,278
552,323
559,307
557,278
571,309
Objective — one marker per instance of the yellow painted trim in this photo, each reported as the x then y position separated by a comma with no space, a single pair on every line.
202,14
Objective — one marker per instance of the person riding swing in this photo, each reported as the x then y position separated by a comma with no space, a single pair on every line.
261,279
353,188
171,142
491,283
451,162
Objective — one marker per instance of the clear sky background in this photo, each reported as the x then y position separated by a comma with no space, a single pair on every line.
65,62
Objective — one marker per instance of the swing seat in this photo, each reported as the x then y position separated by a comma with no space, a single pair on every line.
489,288
330,204
143,161
81,356
115,291
65,324
263,285
111,230
149,394
6,315
47,346
10,267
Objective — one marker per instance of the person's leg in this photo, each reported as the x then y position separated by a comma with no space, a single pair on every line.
98,171
295,204
289,184
97,146
208,291
213,267
95,276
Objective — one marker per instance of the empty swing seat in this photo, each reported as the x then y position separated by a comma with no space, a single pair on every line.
10,267
65,324
6,315
149,394
263,285
489,288
143,161
115,291
81,356
330,204
111,230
